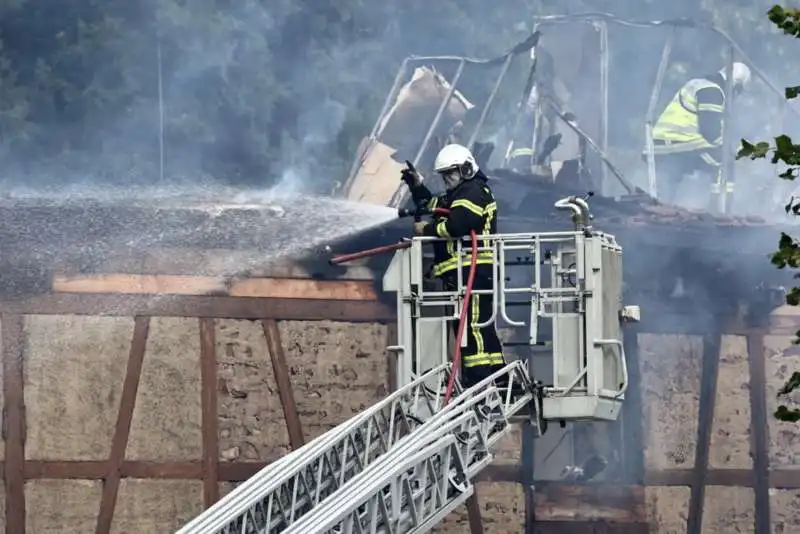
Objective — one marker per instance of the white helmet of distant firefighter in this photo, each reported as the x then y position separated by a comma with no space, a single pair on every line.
741,75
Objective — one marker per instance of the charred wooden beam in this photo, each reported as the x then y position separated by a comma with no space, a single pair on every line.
170,284
631,438
527,474
741,478
595,527
119,443
209,416
708,395
759,429
96,470
787,479
14,422
199,306
589,502
285,390
474,515
241,471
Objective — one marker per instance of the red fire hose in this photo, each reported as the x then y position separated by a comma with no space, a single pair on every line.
462,320
344,258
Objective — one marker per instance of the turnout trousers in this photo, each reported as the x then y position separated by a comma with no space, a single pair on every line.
689,179
483,353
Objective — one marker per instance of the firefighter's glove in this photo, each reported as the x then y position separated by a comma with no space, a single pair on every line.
410,175
419,228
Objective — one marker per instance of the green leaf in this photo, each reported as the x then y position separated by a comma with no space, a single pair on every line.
777,14
761,150
788,253
749,150
745,150
792,384
783,144
789,415
793,296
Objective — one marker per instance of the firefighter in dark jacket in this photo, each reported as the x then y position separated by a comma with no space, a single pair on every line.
472,207
687,138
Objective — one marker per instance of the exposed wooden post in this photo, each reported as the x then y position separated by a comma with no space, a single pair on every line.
284,383
474,514
632,420
527,476
708,395
208,381
759,432
119,443
14,422
527,465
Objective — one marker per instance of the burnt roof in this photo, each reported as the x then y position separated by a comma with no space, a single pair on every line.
39,235
638,209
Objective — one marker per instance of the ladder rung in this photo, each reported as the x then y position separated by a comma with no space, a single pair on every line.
403,485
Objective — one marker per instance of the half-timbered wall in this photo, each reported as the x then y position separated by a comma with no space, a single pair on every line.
130,403
131,411
716,460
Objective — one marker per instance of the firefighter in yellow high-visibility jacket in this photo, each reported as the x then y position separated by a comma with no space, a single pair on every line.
687,138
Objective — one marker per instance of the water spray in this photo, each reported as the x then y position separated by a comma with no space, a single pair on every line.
420,210
417,212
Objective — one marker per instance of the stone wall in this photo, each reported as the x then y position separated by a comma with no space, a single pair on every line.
336,369
783,358
74,367
671,370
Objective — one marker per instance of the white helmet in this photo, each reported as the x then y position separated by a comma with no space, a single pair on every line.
455,163
741,74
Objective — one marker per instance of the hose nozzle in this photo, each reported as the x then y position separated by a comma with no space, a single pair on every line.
406,212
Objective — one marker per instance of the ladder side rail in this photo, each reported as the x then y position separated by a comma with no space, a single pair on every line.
516,376
365,509
366,503
307,488
437,427
375,484
349,441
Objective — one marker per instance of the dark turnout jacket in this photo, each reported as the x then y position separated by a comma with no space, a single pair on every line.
472,207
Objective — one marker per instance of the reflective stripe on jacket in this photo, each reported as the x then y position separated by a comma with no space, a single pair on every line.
472,207
677,128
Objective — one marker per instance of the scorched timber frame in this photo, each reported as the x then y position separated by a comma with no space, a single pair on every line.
553,507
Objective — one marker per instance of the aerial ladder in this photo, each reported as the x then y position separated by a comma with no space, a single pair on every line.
406,462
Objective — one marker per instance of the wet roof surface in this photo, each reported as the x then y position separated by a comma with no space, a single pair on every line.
639,209
85,232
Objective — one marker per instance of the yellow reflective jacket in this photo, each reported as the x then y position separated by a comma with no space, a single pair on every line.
677,128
